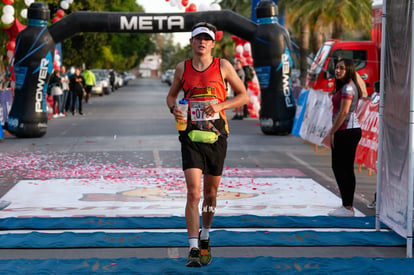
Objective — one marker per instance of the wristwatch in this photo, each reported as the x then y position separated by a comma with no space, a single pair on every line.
172,108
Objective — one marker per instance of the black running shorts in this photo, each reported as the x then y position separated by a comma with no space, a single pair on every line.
207,157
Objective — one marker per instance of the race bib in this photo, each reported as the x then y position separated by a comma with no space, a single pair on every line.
197,110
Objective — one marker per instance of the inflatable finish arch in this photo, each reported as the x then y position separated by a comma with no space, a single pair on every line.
35,51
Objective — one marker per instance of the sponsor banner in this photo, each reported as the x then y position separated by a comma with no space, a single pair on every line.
367,150
317,120
165,197
300,112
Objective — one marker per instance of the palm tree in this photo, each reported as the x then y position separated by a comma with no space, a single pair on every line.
313,18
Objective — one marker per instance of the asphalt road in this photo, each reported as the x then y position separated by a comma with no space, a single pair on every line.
136,119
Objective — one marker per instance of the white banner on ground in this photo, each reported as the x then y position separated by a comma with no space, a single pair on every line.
165,197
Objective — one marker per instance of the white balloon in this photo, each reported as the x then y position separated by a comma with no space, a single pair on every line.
215,7
64,5
28,2
7,19
172,3
203,7
247,47
8,9
23,13
239,49
179,5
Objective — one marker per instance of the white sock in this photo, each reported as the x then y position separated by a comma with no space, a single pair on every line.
205,233
193,242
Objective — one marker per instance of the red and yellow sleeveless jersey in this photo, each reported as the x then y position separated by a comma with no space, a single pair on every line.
205,86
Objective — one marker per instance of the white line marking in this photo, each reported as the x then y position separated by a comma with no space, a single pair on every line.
157,159
310,167
173,252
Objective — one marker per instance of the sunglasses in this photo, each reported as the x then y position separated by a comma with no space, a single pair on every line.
205,24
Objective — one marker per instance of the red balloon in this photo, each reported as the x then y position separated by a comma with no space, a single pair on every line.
14,29
11,45
8,2
60,13
249,60
219,35
184,3
252,86
191,7
55,19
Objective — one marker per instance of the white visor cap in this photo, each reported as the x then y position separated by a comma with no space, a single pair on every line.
205,30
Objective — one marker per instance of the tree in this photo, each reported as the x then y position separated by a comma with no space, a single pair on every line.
225,47
101,50
310,19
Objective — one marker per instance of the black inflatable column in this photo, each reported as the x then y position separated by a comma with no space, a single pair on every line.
33,66
272,62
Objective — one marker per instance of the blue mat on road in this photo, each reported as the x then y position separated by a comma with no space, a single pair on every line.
259,265
218,238
244,221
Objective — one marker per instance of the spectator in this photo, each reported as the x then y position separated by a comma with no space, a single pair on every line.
345,134
90,81
55,86
76,86
67,97
238,66
112,80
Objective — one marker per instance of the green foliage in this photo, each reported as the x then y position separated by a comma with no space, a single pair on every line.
171,54
99,50
242,7
343,16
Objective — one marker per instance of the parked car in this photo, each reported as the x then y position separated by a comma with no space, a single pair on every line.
101,87
102,82
119,80
128,77
168,76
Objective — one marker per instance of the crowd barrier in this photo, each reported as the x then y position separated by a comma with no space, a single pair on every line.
313,120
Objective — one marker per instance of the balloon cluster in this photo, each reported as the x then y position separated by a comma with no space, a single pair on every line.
64,4
9,13
244,54
192,7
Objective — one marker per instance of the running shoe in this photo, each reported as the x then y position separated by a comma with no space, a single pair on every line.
193,258
342,212
373,204
205,251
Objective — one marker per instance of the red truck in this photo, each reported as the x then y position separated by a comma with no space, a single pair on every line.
365,54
